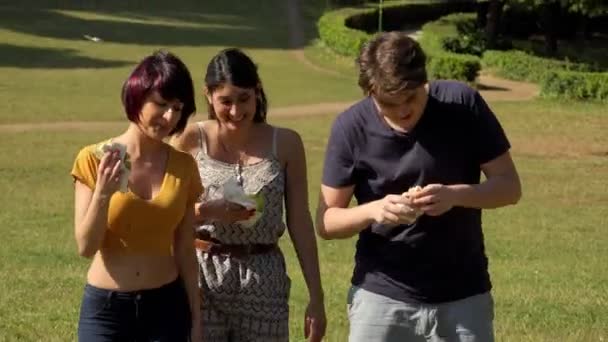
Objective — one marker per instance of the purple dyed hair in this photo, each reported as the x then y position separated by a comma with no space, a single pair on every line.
168,75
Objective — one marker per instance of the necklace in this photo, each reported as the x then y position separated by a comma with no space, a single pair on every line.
239,173
238,168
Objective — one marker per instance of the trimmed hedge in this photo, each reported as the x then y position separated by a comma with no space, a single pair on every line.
520,66
336,35
335,30
452,45
575,85
451,66
437,36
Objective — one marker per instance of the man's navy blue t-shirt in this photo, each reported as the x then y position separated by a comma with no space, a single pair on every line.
436,259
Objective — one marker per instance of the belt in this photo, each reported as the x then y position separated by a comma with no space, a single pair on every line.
233,250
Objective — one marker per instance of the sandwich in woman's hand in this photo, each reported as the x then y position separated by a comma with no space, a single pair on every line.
125,166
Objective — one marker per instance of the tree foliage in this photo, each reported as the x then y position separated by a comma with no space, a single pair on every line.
589,8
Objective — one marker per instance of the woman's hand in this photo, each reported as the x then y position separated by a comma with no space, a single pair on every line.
315,321
196,334
223,211
108,174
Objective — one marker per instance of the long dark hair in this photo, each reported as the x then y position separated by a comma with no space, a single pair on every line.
234,67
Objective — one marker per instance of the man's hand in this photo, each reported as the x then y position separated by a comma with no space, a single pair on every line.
393,210
434,199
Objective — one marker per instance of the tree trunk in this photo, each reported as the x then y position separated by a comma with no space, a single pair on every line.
482,13
493,21
581,32
550,13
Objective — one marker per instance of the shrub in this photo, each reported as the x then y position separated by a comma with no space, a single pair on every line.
337,32
336,35
520,66
451,66
575,85
439,40
459,33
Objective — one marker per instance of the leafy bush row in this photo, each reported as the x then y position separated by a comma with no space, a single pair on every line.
337,32
453,44
557,79
520,66
443,42
575,85
336,35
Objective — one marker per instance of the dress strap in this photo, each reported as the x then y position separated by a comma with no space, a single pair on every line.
274,142
202,138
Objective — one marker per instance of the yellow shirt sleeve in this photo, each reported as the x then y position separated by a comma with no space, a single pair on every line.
196,186
85,167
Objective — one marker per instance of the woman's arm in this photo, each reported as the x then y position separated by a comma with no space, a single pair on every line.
189,140
301,231
187,264
299,221
91,206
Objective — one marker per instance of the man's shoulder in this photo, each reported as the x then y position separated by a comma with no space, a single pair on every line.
355,115
450,91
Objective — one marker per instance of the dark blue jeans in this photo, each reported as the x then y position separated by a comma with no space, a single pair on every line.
155,315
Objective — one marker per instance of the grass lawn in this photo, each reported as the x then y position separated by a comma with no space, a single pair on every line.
45,59
548,254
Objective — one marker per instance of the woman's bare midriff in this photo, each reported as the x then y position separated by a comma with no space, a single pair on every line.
126,272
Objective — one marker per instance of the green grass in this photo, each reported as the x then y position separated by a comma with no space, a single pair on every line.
45,59
547,255
321,55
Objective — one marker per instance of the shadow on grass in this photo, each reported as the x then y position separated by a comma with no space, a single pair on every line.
481,86
246,24
33,57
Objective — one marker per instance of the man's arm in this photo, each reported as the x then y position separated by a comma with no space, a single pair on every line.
336,221
502,187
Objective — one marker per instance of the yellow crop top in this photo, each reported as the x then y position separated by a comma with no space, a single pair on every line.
138,226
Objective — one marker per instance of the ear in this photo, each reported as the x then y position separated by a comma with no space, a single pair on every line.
208,95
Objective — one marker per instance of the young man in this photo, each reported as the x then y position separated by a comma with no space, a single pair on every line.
421,273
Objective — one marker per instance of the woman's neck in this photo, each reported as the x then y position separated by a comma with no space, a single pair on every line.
139,144
234,141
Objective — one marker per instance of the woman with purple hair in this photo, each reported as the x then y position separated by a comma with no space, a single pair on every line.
134,215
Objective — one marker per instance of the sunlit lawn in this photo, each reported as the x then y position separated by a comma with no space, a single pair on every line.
547,255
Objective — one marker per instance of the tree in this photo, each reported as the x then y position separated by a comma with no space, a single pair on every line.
492,21
589,8
551,10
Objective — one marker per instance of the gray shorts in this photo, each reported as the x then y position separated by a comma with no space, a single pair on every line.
374,317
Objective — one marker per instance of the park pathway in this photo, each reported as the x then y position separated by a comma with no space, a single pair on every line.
491,88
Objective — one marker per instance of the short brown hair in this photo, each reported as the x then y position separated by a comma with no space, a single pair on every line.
390,63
